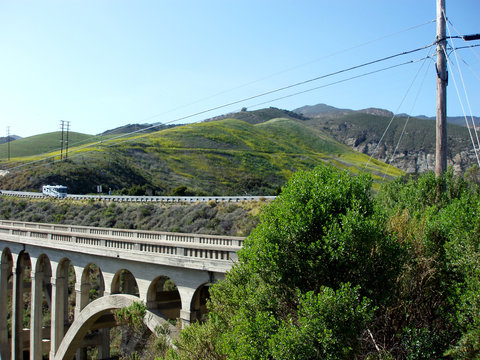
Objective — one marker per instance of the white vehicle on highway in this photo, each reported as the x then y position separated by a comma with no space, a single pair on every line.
58,191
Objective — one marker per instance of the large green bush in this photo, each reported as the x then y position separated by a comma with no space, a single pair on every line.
301,288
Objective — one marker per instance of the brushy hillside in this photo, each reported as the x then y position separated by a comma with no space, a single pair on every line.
226,157
419,134
231,219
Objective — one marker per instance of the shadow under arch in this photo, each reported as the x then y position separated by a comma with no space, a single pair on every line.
163,298
198,306
92,284
124,283
41,305
91,317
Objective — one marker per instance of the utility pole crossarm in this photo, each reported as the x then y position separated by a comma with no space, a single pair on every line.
471,37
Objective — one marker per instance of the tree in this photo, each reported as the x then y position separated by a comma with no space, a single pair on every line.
300,289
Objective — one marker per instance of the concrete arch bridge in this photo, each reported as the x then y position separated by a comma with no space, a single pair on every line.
68,279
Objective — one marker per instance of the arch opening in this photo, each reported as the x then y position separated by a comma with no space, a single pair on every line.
163,298
93,284
43,303
95,343
198,306
125,283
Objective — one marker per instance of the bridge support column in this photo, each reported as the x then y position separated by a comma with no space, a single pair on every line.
186,315
81,354
81,292
58,312
17,311
187,318
36,316
104,347
4,346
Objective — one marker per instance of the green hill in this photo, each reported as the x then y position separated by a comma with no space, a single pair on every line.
44,143
261,115
226,157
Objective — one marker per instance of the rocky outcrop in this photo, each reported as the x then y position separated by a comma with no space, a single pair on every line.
413,162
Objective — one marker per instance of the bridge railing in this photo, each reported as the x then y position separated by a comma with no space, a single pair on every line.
143,241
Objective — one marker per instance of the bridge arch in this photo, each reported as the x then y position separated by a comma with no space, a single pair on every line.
91,285
63,301
91,317
198,305
40,304
124,282
163,297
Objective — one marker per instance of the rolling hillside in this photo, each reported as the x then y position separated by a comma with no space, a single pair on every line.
225,157
43,143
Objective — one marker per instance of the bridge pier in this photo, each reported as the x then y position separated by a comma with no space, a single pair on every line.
36,316
59,308
18,334
4,344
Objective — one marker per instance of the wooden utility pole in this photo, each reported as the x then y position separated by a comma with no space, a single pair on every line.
62,126
66,150
442,81
8,141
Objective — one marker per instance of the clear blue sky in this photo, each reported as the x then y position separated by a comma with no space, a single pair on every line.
105,63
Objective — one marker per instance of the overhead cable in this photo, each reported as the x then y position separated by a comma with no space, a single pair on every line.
339,81
476,147
294,68
250,98
409,116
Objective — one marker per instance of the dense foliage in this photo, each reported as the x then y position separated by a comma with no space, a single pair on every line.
332,272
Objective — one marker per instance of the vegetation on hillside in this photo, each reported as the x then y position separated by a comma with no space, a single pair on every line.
45,143
226,157
333,273
261,115
235,219
366,128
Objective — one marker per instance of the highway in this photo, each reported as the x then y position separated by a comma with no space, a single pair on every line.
128,198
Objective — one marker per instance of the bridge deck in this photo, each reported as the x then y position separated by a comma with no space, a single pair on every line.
178,249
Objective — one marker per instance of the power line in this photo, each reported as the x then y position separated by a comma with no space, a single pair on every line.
409,116
340,81
293,68
475,147
393,117
259,95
